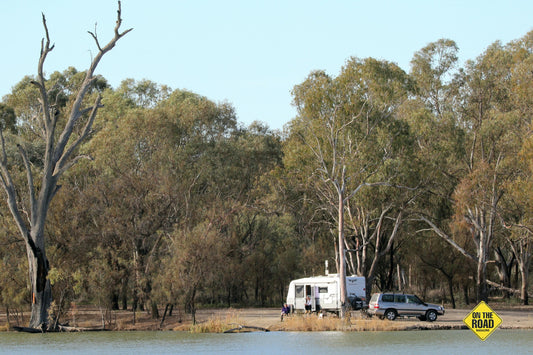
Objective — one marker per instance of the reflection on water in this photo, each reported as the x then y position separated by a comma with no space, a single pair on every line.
326,343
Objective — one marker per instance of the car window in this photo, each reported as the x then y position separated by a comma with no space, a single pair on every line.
387,298
399,298
413,299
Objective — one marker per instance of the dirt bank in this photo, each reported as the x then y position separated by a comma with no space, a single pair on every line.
512,318
90,317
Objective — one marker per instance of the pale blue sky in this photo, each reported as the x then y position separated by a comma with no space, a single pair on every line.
248,53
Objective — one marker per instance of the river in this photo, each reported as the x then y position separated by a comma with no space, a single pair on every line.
327,343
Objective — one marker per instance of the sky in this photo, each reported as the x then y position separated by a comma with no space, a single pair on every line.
249,53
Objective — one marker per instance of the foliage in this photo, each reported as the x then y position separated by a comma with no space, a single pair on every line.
181,206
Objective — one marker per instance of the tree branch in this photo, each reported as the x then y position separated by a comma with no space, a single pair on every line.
76,111
9,188
61,165
447,238
29,177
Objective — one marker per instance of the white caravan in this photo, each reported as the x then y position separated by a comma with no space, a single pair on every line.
324,292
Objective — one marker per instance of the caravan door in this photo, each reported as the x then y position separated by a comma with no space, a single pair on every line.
299,296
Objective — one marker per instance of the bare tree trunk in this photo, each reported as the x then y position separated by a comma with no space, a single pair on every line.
449,278
481,280
481,283
342,263
522,250
40,286
504,269
465,294
164,315
192,305
60,153
524,273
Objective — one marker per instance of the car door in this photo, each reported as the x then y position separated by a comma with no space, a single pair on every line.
399,304
415,306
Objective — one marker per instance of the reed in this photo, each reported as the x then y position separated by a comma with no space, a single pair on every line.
314,323
217,324
375,325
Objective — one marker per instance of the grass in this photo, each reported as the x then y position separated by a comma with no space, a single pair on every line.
375,325
216,324
314,323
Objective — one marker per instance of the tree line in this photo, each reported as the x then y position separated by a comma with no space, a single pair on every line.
420,180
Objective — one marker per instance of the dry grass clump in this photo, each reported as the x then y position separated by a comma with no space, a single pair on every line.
217,324
375,325
314,323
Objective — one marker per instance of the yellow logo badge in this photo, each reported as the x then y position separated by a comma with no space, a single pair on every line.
482,320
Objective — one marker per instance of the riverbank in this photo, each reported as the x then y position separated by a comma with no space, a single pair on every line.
513,317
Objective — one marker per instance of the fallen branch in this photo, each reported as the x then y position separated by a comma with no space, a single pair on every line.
27,329
241,327
60,329
510,290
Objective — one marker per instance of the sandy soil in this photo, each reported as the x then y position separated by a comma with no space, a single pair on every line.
512,318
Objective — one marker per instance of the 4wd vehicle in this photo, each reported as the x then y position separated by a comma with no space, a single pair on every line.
392,305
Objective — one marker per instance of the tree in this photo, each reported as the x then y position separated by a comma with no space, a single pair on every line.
347,126
484,101
61,134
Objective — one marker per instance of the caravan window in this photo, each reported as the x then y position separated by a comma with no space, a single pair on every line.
299,291
323,289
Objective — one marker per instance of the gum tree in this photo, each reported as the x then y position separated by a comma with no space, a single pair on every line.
59,133
346,133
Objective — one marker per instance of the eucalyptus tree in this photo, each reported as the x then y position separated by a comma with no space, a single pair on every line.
483,109
516,211
60,132
346,131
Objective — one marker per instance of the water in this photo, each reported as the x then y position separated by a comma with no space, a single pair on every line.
325,343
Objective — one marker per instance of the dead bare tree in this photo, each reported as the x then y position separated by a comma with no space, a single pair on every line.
60,154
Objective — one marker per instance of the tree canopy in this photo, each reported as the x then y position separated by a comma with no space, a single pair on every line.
403,175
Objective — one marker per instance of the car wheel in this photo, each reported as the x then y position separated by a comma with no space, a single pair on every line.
431,315
390,314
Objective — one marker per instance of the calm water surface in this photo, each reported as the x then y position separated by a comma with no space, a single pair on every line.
326,343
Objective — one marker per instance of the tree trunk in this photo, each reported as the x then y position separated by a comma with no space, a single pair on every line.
481,280
390,274
465,293
170,311
504,269
524,273
164,315
154,310
40,287
450,289
192,305
342,264
481,283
